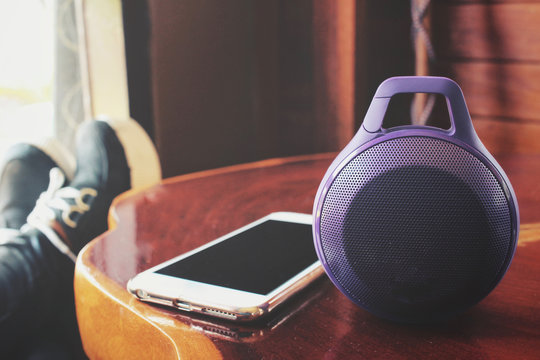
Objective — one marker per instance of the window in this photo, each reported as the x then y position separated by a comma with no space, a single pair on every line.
26,70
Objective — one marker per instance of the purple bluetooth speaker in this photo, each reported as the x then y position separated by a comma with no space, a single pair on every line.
415,223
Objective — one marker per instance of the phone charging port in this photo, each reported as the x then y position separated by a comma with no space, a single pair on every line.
182,305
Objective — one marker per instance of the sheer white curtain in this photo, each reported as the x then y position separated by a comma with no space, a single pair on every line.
67,98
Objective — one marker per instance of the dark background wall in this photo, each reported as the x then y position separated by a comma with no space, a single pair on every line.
239,81
219,83
492,48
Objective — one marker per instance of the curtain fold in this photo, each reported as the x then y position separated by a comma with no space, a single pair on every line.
67,91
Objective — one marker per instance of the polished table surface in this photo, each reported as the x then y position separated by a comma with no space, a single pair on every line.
181,213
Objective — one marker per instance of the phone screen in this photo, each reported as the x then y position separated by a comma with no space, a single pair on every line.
257,260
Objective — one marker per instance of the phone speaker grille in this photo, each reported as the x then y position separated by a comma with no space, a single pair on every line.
220,313
215,330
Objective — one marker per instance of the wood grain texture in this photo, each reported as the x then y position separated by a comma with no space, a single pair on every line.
504,135
185,212
492,49
499,90
497,31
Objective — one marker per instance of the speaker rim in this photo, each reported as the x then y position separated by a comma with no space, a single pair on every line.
484,157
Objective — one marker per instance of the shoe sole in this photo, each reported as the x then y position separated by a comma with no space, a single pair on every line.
141,154
59,154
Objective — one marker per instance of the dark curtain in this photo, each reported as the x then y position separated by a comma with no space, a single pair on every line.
221,83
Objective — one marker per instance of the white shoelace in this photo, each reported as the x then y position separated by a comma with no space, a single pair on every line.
7,234
55,198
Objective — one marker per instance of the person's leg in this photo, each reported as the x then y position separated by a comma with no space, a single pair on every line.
24,175
111,158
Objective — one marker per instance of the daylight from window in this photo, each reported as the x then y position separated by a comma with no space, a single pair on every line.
26,70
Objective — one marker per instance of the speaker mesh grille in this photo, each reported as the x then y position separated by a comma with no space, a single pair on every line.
415,227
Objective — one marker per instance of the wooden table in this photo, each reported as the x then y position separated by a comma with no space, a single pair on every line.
184,212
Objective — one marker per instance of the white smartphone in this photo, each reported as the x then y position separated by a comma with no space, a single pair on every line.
240,276
247,332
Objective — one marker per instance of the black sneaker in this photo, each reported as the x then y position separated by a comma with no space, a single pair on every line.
30,267
24,175
112,157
